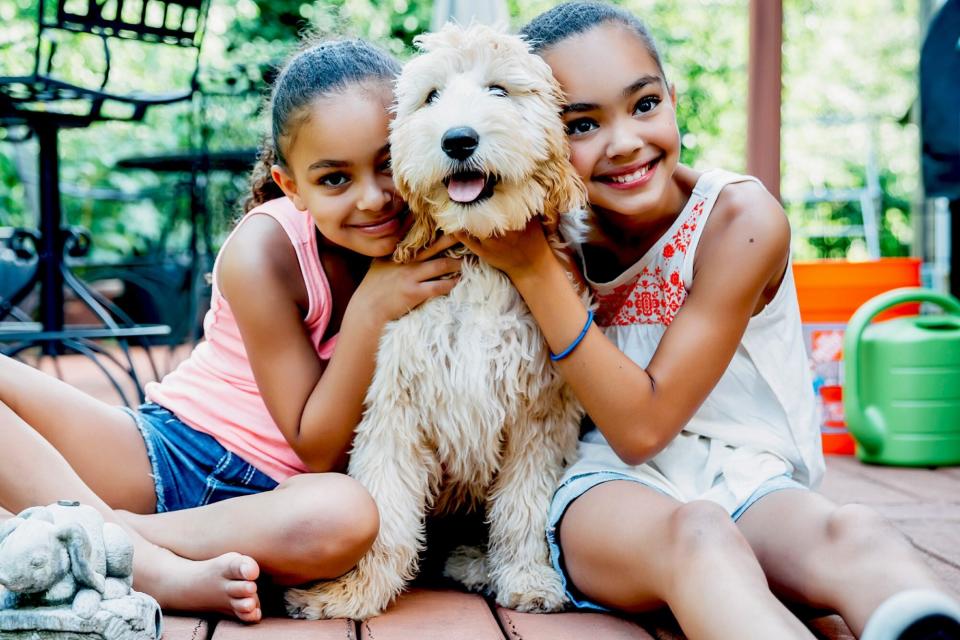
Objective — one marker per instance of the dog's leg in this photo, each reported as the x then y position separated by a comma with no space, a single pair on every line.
518,556
401,474
468,566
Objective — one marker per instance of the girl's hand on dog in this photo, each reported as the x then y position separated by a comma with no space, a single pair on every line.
390,290
516,253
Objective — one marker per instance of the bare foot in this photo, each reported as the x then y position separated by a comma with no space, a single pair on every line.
225,584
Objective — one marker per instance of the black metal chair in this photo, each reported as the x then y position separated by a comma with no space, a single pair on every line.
177,23
54,96
214,171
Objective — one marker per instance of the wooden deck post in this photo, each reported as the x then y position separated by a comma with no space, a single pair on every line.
763,110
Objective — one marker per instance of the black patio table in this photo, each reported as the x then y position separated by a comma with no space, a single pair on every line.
231,160
54,240
195,165
45,101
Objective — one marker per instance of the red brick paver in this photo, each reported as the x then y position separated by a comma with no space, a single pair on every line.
285,629
569,626
434,615
186,628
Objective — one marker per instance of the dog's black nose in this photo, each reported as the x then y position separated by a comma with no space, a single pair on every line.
460,142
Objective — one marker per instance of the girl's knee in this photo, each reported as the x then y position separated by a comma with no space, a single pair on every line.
704,544
856,526
701,528
333,521
356,519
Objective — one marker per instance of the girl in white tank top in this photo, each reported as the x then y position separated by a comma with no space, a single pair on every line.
693,486
759,422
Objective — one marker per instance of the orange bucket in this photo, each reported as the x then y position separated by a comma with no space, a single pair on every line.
829,291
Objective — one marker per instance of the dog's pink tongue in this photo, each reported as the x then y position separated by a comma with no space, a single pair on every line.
465,190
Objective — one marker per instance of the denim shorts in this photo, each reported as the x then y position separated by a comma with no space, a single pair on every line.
580,484
190,468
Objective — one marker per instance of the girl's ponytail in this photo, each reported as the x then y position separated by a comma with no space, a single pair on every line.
262,186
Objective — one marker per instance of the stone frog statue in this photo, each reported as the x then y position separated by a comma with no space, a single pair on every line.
63,554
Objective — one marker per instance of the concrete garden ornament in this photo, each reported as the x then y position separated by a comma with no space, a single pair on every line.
65,573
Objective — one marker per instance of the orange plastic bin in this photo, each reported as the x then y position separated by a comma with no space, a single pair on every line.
829,291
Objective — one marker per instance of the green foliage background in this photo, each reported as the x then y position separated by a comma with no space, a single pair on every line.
849,81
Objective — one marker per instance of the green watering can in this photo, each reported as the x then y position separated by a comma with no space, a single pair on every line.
902,382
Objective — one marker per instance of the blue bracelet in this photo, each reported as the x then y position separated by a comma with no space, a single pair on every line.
573,345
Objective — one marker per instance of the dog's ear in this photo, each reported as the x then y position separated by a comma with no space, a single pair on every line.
424,228
564,189
421,235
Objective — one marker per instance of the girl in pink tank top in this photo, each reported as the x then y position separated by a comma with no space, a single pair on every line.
243,445
693,489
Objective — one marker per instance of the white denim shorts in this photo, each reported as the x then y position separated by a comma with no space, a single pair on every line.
577,485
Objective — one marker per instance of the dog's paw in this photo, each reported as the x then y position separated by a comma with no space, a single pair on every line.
533,588
342,598
468,566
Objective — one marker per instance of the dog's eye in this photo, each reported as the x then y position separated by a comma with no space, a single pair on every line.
497,90
432,97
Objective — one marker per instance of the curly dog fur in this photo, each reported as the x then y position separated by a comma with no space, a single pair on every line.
465,408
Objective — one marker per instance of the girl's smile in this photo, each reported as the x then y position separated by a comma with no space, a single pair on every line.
631,177
390,224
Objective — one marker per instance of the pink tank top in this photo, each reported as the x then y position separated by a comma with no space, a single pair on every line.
214,391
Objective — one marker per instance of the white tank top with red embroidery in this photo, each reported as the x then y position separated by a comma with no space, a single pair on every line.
760,421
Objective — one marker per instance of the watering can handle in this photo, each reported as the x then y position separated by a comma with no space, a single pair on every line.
867,425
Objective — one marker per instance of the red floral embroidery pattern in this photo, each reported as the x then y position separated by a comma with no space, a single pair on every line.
655,294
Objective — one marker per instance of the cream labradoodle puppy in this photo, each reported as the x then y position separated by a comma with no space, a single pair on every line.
465,408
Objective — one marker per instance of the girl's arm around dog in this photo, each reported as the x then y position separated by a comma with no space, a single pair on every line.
316,404
738,267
